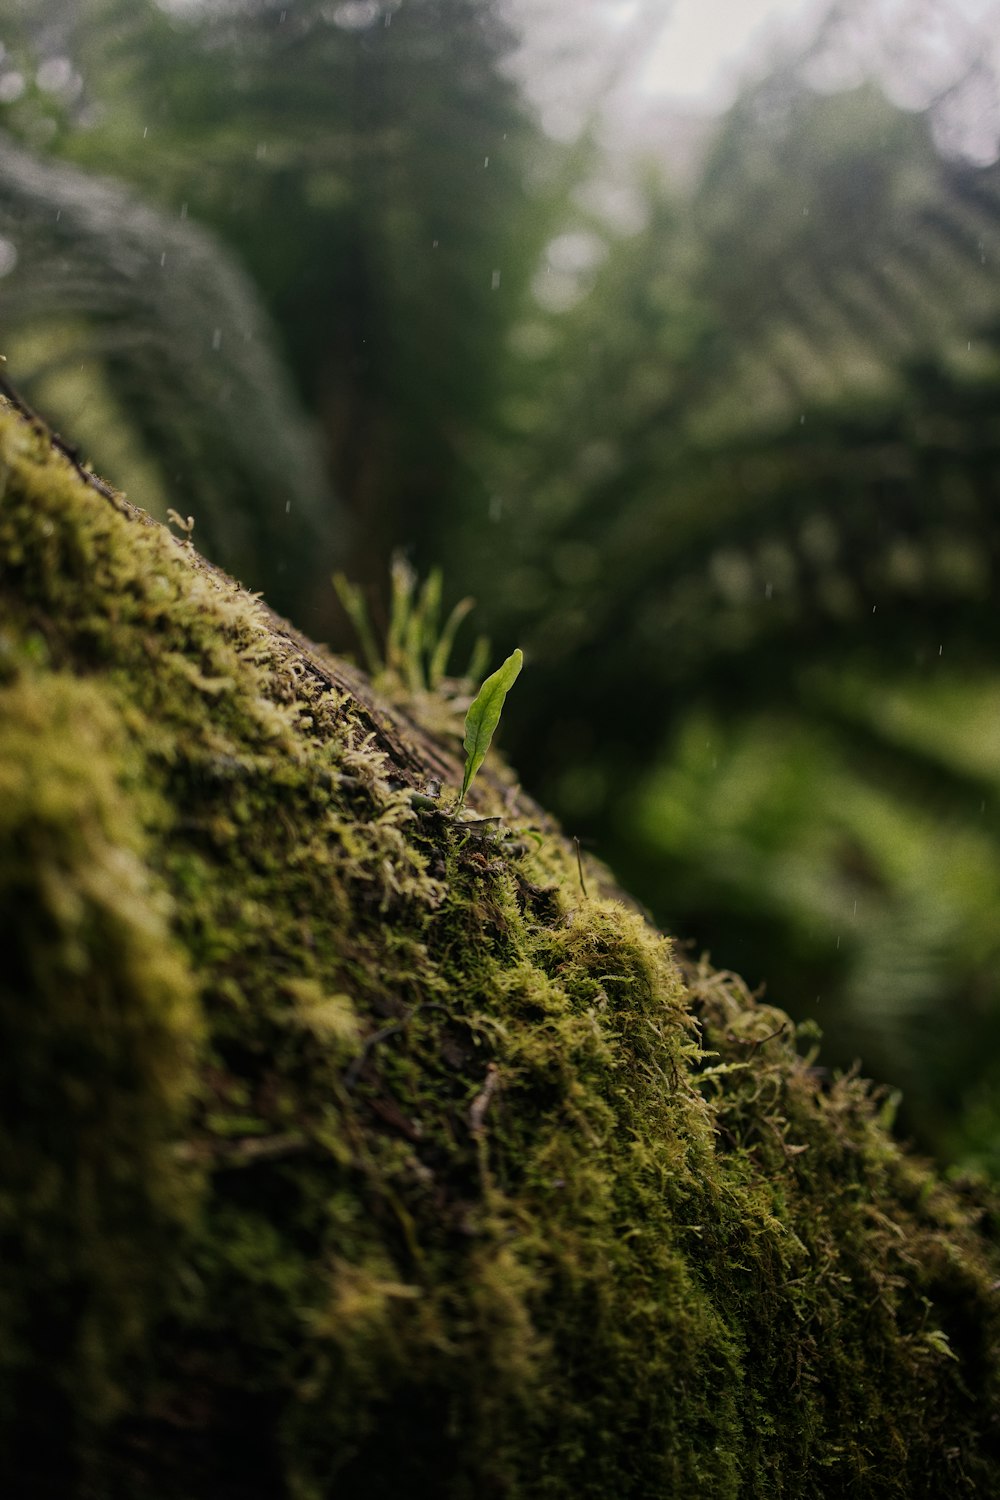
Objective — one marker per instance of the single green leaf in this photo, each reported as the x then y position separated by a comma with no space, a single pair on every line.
484,716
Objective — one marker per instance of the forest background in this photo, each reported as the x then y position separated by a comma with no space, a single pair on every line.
704,411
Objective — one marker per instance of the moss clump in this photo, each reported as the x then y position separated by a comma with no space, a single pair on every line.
348,1153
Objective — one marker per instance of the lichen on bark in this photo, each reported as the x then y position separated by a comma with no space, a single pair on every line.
347,1152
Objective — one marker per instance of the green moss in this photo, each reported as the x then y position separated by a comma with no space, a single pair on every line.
351,1153
98,1035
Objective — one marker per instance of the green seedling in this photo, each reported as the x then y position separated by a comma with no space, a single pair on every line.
484,716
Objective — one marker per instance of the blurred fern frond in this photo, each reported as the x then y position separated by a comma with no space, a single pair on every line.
787,387
116,315
751,504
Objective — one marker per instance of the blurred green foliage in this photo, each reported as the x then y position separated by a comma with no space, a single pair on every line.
365,164
728,469
752,507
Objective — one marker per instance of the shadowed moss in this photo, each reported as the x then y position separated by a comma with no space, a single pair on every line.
348,1151
97,1033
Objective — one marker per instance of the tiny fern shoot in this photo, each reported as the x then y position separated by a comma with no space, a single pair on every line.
484,716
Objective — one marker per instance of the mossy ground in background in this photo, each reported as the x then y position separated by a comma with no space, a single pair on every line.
346,1152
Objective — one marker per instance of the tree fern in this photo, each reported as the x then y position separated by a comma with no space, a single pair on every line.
155,308
751,489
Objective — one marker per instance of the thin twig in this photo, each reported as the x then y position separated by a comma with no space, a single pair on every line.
759,1041
242,1152
481,1103
579,866
353,1072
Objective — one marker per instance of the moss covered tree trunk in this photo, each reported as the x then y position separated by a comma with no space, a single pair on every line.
348,1152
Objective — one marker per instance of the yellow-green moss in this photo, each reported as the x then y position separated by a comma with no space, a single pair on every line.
98,1035
350,1153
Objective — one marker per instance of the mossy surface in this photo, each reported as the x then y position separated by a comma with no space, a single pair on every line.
349,1153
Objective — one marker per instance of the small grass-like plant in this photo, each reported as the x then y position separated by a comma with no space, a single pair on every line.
418,647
